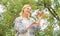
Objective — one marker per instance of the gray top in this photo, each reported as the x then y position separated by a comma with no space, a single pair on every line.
21,23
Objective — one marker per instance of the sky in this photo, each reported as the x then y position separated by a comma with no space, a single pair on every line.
1,8
59,1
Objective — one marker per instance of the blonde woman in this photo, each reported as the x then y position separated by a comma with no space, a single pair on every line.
24,25
23,22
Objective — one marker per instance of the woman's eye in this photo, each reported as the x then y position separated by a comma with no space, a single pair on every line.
27,8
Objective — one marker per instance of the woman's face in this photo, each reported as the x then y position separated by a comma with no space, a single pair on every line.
27,10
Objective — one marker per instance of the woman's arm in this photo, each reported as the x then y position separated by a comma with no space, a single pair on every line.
38,21
33,22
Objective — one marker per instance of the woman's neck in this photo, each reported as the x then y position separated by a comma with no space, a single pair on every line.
24,16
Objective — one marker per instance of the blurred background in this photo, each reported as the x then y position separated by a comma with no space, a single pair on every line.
50,22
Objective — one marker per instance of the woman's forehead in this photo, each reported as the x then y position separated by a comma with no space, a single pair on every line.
28,7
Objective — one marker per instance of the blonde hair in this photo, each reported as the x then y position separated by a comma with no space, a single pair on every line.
27,5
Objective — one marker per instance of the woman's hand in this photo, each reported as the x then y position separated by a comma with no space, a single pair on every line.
39,14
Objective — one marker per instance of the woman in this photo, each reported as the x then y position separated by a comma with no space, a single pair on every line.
23,22
24,25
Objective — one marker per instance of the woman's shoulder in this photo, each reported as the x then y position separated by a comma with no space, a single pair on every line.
18,18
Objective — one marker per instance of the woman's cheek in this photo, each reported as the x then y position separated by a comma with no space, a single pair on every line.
25,10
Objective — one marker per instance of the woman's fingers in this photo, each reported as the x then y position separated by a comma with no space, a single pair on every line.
40,13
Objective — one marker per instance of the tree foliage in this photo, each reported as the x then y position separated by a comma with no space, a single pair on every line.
13,8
